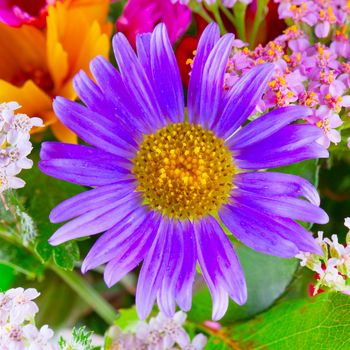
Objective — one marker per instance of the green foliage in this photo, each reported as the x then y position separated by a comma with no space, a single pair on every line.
59,305
81,339
335,190
40,195
127,319
322,323
267,277
20,260
7,276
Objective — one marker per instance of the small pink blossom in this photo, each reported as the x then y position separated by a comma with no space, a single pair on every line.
328,121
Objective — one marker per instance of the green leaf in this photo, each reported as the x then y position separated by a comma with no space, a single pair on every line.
322,322
20,260
267,278
7,277
65,256
40,195
127,319
217,343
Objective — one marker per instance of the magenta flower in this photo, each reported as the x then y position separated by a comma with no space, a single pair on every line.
163,183
17,12
141,16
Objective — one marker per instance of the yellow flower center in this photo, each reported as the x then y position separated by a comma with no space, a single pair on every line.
184,171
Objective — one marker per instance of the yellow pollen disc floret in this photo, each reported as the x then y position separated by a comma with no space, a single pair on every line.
184,171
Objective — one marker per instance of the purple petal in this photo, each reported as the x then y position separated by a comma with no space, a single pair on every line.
277,184
166,293
257,231
299,236
92,127
82,164
51,150
206,43
153,269
91,200
220,266
92,95
287,207
185,280
131,253
84,172
267,125
143,47
96,221
166,76
136,80
125,108
213,81
243,98
117,241
291,144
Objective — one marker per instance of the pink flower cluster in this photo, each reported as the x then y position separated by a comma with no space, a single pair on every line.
316,74
321,15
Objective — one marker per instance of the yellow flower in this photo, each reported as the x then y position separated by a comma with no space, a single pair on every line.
36,66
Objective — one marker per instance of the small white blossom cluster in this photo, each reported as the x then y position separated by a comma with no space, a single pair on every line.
333,268
161,333
17,329
15,144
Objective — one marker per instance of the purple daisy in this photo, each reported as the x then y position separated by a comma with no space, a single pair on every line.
165,181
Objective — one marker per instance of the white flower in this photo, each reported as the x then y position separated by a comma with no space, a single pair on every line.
23,308
198,343
330,276
15,144
347,222
161,333
11,337
39,339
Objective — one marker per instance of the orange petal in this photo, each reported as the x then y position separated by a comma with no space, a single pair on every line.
57,57
21,48
63,133
33,100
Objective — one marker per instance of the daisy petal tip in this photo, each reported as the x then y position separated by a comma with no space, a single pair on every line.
142,312
84,269
325,218
108,281
217,315
54,241
53,217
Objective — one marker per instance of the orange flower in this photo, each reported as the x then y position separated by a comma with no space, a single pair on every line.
36,66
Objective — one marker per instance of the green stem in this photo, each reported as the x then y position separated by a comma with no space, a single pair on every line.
215,11
259,16
239,11
87,293
198,8
75,281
